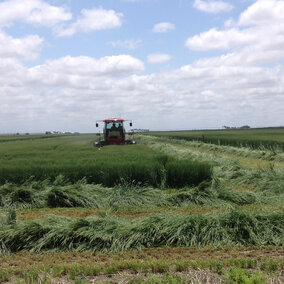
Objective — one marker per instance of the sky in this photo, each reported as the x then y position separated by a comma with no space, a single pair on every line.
164,64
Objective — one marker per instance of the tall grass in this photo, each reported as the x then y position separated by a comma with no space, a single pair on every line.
76,159
269,179
253,144
275,155
253,138
182,173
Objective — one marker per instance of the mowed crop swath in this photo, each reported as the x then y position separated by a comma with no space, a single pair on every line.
163,193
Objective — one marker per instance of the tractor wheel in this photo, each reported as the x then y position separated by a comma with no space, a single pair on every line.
99,144
129,142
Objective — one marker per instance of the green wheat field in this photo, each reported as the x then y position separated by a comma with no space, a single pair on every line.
177,207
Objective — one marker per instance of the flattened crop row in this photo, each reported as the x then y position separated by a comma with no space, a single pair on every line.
115,234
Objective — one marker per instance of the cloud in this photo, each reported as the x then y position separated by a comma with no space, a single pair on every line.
127,44
70,93
220,39
252,41
263,12
163,27
213,7
37,12
158,58
26,48
76,69
92,20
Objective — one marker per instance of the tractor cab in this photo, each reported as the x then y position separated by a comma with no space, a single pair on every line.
114,132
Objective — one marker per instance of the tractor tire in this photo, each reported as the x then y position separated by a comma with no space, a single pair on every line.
99,144
130,142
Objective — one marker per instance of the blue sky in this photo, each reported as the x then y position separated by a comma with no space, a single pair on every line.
139,18
164,64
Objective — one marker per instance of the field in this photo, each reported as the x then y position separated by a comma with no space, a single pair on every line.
172,209
272,138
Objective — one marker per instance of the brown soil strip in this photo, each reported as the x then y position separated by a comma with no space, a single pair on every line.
27,261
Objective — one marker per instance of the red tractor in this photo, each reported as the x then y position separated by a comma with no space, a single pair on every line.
114,133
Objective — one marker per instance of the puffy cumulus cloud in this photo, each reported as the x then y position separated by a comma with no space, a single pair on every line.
158,58
78,70
37,12
70,93
215,39
252,41
27,48
263,12
91,20
163,27
212,6
12,72
130,44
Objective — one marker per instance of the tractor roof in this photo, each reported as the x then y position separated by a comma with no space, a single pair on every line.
114,120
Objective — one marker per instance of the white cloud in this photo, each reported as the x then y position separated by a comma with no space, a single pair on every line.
263,12
128,44
163,27
27,48
91,20
212,6
76,69
158,58
258,43
37,12
70,93
220,39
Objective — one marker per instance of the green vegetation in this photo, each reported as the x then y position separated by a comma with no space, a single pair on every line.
61,193
252,138
13,138
164,211
68,156
162,264
237,227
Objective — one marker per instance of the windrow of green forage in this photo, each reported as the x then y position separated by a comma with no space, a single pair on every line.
108,233
124,195
271,155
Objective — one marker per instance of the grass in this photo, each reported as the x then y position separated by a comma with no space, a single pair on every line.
126,196
109,233
172,224
76,159
253,158
175,264
252,138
